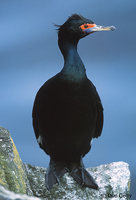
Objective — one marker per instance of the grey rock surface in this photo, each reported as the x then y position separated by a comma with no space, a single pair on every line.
15,177
113,180
8,195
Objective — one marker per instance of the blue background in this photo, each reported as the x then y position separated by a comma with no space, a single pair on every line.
29,55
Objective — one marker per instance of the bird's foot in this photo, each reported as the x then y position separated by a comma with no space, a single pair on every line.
82,176
54,172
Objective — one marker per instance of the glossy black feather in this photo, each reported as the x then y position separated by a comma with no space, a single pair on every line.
67,115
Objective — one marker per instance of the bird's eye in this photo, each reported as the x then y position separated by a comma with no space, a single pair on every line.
85,26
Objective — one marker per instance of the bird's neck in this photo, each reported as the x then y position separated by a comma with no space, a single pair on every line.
73,66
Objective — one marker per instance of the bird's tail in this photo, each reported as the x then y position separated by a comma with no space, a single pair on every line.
56,170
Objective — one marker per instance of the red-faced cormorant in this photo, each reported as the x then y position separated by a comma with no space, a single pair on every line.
67,112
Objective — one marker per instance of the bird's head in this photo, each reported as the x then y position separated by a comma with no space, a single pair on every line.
77,27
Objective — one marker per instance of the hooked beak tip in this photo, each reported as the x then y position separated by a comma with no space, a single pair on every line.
113,28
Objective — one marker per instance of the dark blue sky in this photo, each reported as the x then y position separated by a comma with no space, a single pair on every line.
29,55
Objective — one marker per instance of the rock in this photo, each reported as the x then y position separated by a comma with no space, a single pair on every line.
8,195
12,174
113,179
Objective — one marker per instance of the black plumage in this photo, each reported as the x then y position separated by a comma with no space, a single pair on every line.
67,112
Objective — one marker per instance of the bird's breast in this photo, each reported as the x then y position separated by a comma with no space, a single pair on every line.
67,107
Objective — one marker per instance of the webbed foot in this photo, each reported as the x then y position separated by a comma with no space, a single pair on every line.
83,177
55,171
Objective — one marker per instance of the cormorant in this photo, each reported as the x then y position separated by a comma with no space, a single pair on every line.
67,112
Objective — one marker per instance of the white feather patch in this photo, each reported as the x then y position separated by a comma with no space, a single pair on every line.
39,140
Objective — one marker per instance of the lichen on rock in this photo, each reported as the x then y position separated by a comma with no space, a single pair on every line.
12,174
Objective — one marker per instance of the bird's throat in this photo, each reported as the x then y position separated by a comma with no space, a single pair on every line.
73,66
